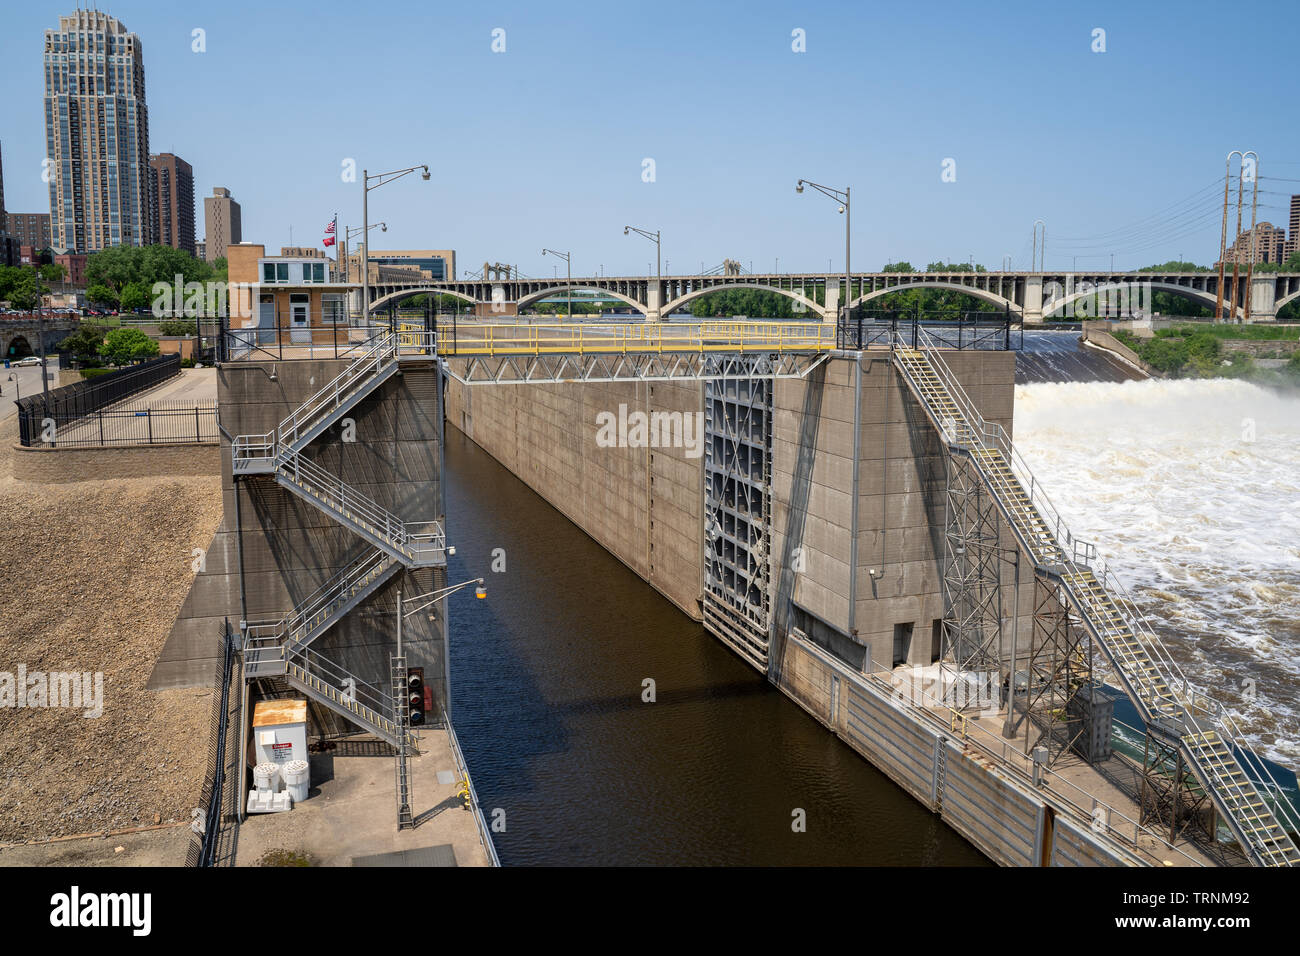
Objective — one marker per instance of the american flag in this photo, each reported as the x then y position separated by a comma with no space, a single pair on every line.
330,228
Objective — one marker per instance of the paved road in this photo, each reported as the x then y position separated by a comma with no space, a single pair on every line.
28,382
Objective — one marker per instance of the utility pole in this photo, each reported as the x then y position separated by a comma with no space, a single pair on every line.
1223,236
1250,266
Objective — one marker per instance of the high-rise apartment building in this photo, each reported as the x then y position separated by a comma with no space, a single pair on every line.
8,248
30,229
96,134
221,223
1293,244
171,182
1269,245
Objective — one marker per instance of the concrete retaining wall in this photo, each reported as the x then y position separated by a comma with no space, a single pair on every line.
1096,334
62,465
643,505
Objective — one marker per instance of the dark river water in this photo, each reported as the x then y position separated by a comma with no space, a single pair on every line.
546,698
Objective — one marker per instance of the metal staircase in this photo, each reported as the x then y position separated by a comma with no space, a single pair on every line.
326,605
1199,727
282,648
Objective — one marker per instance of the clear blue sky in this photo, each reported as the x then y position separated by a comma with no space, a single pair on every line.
542,145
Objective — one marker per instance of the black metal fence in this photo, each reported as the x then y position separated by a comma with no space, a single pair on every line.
882,328
74,402
164,423
207,824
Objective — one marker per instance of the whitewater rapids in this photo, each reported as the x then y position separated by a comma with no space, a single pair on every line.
1192,489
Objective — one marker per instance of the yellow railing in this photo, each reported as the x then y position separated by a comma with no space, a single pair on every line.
591,338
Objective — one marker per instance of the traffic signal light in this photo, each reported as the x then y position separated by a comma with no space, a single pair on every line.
415,695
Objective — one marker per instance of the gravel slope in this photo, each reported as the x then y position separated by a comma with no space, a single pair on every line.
92,575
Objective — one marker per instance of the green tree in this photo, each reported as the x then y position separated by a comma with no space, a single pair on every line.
903,266
134,296
176,327
1176,265
18,286
52,273
122,346
1292,264
119,266
100,294
84,343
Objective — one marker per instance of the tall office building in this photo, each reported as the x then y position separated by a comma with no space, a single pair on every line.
221,223
171,183
96,134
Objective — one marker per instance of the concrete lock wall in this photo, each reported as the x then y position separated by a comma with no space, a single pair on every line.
894,498
1007,820
643,504
291,548
860,480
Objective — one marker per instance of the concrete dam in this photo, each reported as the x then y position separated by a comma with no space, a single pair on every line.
855,524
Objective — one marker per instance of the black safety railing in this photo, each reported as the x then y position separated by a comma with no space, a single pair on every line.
208,823
75,402
882,328
164,423
279,342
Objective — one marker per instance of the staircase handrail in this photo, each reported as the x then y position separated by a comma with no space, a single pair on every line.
381,346
1200,710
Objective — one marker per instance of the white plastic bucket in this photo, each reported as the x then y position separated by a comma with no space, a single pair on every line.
297,779
266,776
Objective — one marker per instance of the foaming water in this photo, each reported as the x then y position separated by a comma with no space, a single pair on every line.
1192,489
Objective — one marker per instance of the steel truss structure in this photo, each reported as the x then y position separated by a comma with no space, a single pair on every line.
1171,796
1059,664
630,367
972,628
738,507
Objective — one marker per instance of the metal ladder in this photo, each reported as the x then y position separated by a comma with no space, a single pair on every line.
1206,734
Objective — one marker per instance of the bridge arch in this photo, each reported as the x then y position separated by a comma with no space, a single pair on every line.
18,347
1198,296
546,293
401,294
810,304
981,294
1285,300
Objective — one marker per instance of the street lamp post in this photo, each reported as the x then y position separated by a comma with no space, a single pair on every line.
351,232
659,272
423,602
842,197
380,180
568,280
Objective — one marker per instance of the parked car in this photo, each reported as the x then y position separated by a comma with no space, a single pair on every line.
30,360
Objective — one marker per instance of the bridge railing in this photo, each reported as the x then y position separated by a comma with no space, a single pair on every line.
590,337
